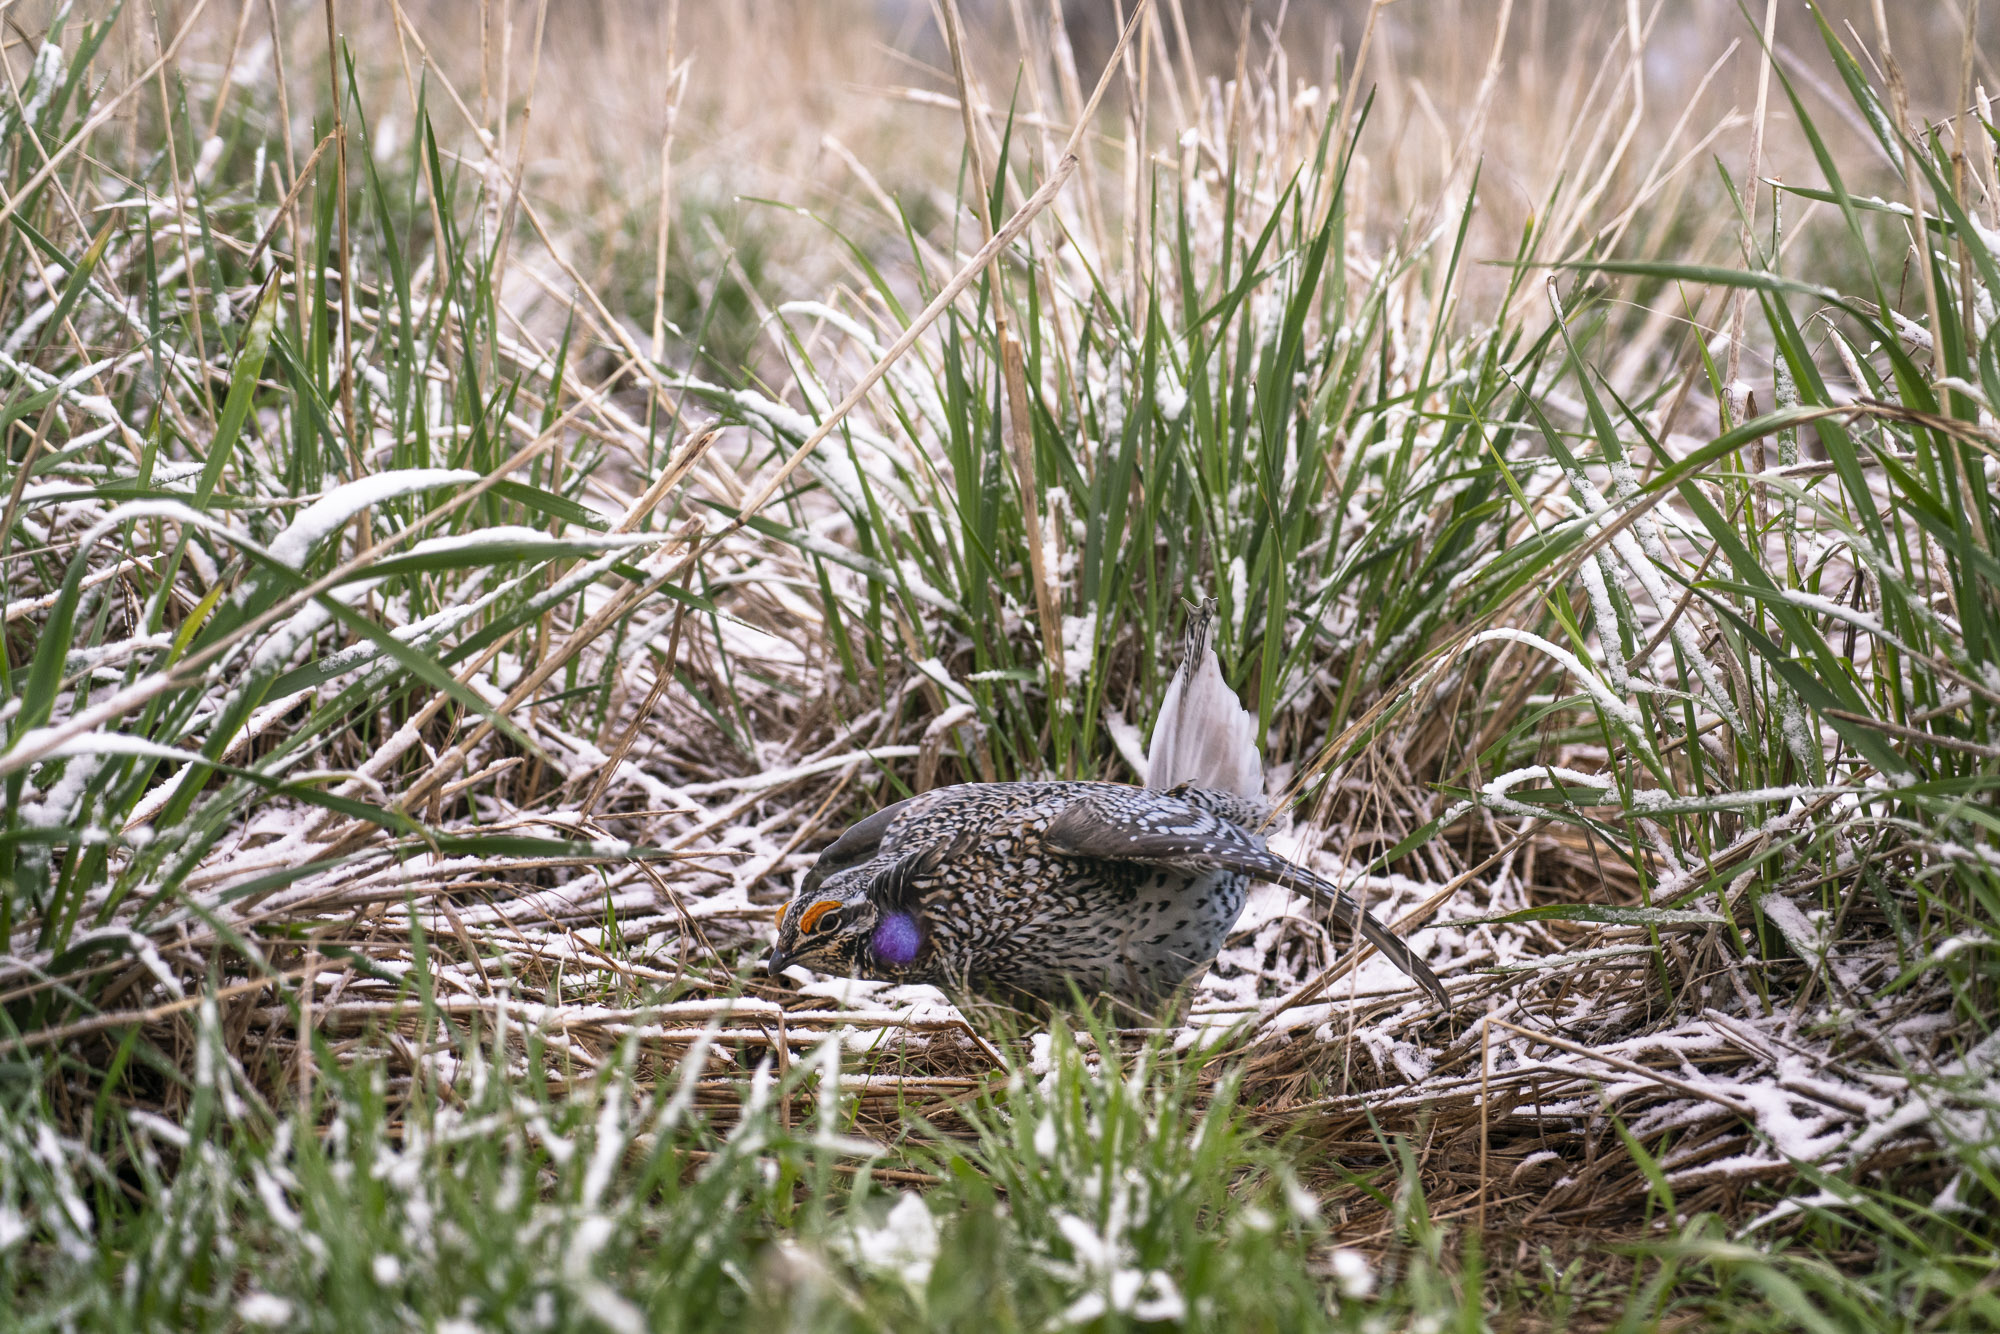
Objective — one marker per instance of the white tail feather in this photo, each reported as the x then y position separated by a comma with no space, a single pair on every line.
1204,735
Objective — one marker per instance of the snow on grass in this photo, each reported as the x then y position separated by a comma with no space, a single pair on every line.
332,511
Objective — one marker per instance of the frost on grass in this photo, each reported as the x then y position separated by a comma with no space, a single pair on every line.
904,1246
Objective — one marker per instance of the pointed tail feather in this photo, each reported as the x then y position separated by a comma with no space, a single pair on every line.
1268,866
1204,735
1348,914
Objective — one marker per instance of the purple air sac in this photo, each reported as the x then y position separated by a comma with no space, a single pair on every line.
897,939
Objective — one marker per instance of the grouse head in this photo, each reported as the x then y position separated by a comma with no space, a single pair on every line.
842,929
852,916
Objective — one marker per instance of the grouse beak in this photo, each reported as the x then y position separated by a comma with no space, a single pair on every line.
777,963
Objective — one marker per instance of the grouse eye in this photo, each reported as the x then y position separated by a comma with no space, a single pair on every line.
811,918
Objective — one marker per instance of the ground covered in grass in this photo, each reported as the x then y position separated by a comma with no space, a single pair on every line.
490,491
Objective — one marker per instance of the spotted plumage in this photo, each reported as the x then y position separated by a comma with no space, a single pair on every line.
1031,888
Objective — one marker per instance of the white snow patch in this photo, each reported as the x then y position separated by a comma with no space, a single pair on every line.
331,511
266,1310
904,1247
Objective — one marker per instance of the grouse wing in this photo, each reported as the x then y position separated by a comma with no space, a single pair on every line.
1162,829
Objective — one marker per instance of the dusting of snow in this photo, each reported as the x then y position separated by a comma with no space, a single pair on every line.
904,1247
265,1310
1352,1273
1079,641
1169,394
332,511
1625,715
